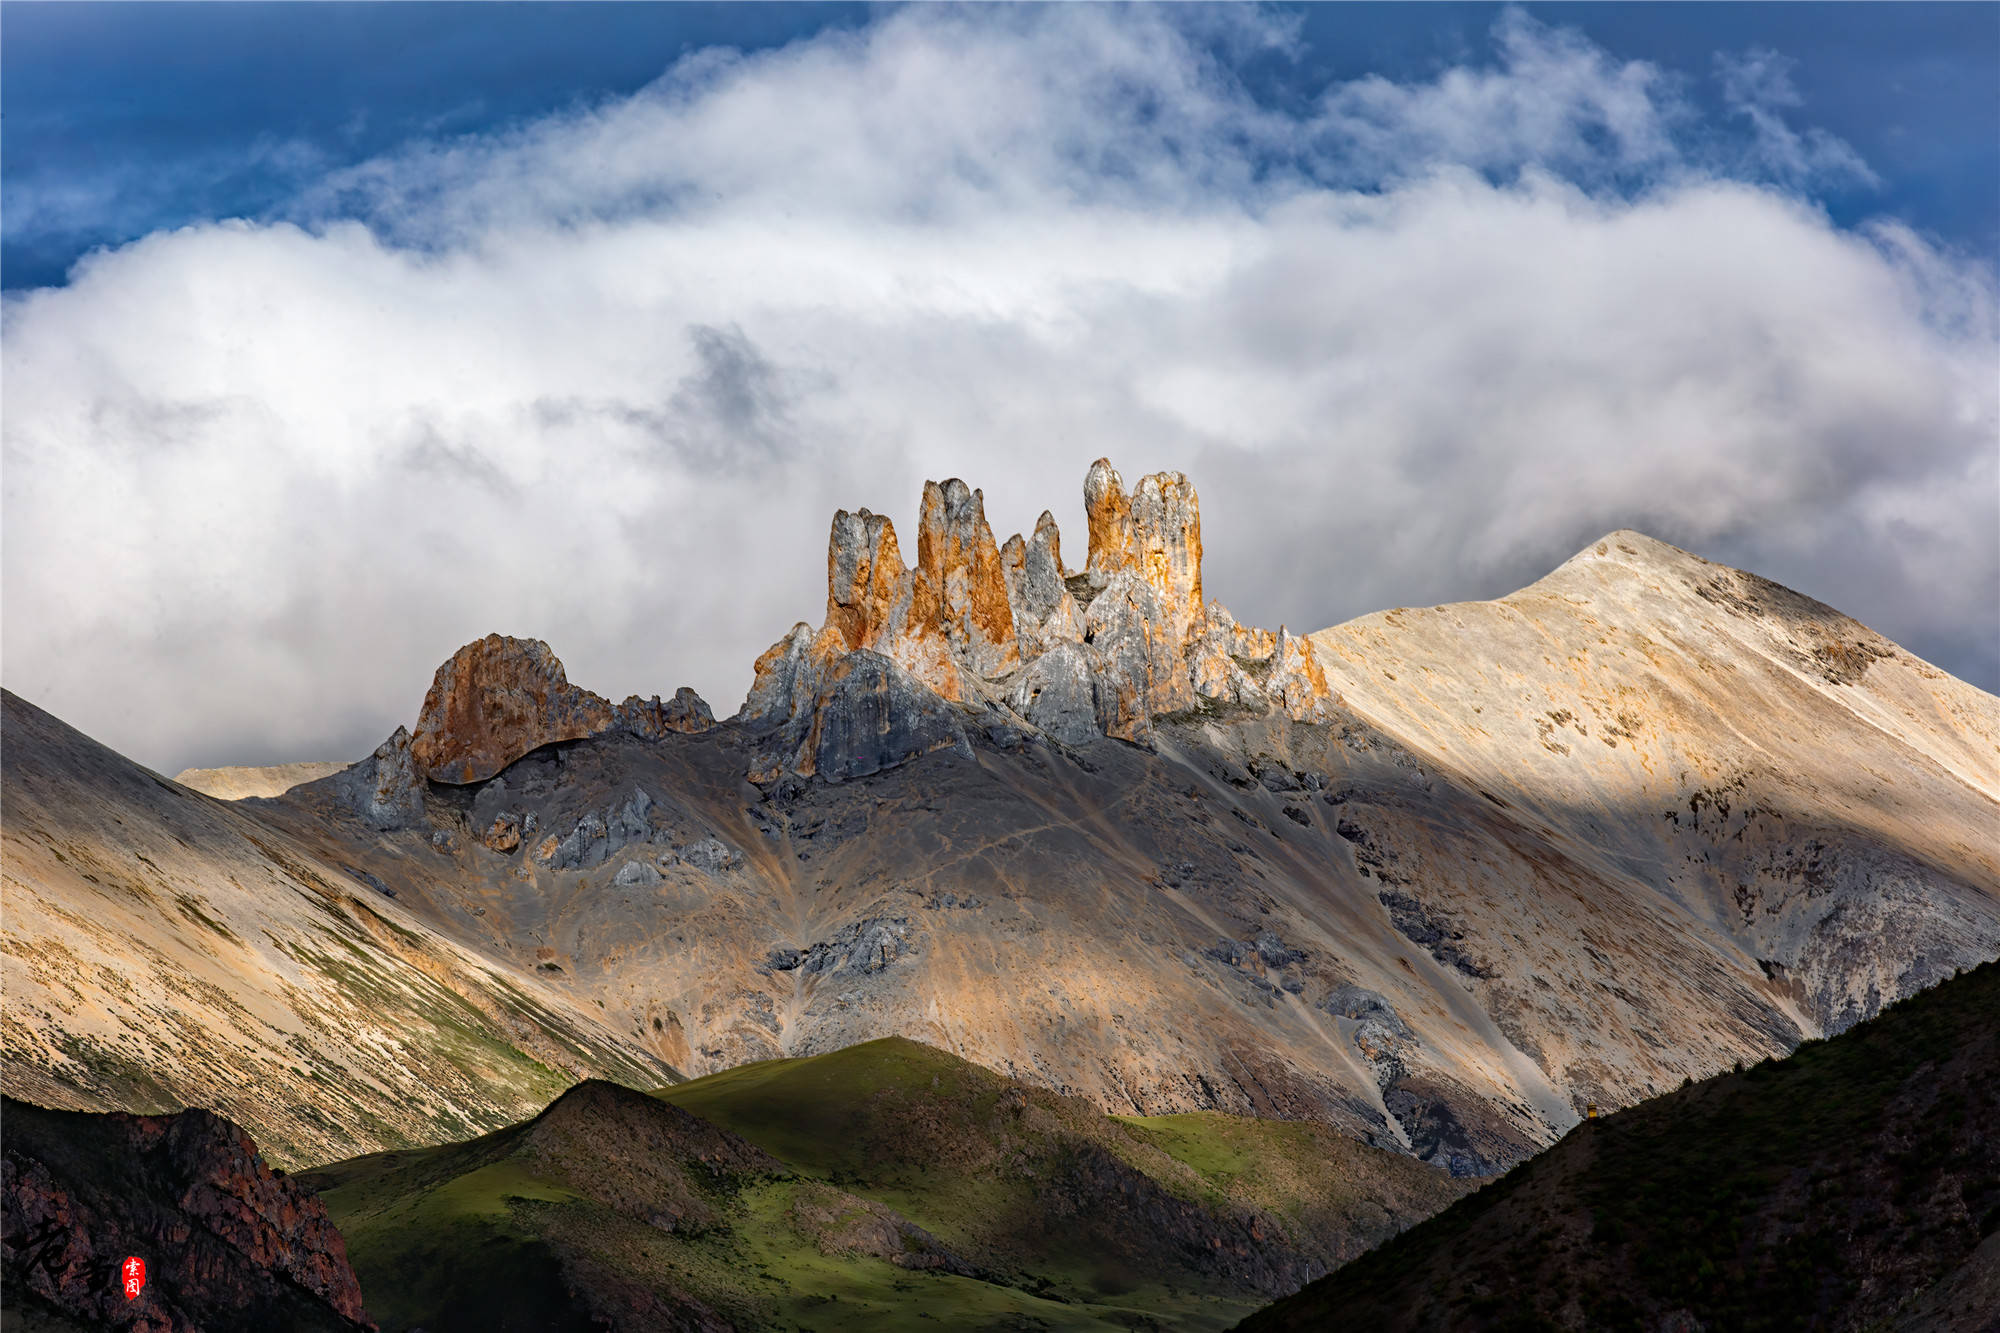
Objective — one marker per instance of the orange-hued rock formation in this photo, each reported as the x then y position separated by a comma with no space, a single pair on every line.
494,701
990,628
957,558
500,698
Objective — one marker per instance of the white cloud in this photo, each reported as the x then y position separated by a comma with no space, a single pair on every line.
602,379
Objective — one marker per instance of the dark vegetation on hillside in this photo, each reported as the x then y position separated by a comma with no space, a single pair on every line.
1843,1188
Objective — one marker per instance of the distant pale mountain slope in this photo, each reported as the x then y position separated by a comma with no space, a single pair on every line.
1778,770
162,949
235,784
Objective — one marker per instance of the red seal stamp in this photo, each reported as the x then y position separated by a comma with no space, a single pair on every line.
133,1272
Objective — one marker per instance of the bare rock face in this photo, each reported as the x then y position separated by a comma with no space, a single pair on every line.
1045,614
957,559
1296,683
1047,535
388,793
494,701
1109,511
874,603
1239,641
1057,693
227,1243
1166,536
784,697
867,588
1142,670
783,684
872,715
686,714
1216,673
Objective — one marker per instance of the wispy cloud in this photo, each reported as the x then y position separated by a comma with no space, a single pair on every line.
603,377
1757,86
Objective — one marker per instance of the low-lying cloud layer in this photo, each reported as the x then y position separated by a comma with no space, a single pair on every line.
602,379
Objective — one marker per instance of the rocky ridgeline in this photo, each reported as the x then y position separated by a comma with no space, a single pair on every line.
978,635
973,638
499,698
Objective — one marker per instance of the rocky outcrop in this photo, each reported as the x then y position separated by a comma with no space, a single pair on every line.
872,715
1142,668
972,639
956,557
1166,536
977,638
781,689
1108,511
686,714
875,604
227,1244
494,701
1045,614
1296,683
385,788
1057,694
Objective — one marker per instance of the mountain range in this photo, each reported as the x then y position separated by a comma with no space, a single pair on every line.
1439,880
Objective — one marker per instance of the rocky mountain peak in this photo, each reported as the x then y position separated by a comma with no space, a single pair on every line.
494,701
1108,510
974,637
956,555
1007,631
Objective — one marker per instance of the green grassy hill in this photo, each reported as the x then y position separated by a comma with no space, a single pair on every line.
883,1186
1854,1185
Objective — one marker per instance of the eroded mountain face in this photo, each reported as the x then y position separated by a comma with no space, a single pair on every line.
162,949
1437,878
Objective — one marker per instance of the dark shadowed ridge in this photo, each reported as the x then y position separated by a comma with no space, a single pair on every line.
228,1245
1854,1185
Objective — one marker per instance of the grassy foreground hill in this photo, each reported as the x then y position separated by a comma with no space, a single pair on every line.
1854,1185
886,1185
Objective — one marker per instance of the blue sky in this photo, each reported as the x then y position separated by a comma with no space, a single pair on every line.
338,335
134,116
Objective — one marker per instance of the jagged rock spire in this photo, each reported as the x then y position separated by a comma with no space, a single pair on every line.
1109,513
1011,630
957,558
915,658
1045,613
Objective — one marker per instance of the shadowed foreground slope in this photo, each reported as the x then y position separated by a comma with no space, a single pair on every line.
229,1246
881,1186
1855,1185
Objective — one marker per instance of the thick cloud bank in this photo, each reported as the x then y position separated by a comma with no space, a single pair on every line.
602,378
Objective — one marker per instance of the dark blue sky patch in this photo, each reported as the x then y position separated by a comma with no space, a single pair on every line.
124,118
